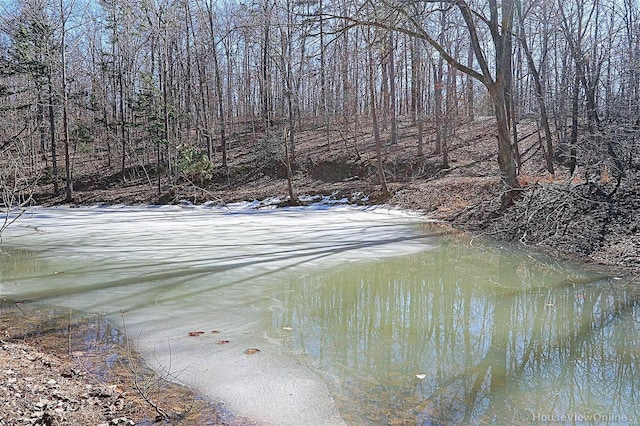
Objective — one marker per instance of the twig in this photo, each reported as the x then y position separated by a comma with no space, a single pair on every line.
136,383
145,389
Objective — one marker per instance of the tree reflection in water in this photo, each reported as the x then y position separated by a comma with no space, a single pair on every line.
500,337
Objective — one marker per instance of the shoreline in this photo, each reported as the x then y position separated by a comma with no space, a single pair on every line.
464,203
67,367
116,399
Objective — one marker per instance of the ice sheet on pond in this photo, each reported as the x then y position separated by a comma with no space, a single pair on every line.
166,271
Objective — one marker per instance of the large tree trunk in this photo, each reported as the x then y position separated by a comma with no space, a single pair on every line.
265,85
506,155
573,138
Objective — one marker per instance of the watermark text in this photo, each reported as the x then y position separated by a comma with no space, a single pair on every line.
578,417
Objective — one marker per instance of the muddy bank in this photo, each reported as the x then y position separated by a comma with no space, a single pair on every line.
61,368
589,221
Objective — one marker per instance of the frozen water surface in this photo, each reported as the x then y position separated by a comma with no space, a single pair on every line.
171,270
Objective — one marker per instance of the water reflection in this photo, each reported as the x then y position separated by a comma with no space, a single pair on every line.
473,336
434,331
16,262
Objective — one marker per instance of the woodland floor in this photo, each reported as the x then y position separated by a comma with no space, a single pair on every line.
46,381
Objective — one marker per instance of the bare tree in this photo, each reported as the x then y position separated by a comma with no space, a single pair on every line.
544,119
218,79
65,101
17,181
151,78
393,109
374,116
499,24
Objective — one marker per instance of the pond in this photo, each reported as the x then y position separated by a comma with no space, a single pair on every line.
358,315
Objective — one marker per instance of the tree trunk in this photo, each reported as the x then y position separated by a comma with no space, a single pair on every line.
573,139
506,158
324,106
392,90
293,200
544,118
469,88
415,82
165,115
376,126
218,79
437,95
42,129
123,128
65,118
264,81
417,101
223,136
52,134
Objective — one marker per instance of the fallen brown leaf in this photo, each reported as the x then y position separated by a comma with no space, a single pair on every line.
251,351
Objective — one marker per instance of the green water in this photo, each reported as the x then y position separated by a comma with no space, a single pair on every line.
464,335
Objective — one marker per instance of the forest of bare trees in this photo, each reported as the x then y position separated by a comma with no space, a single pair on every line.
162,87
